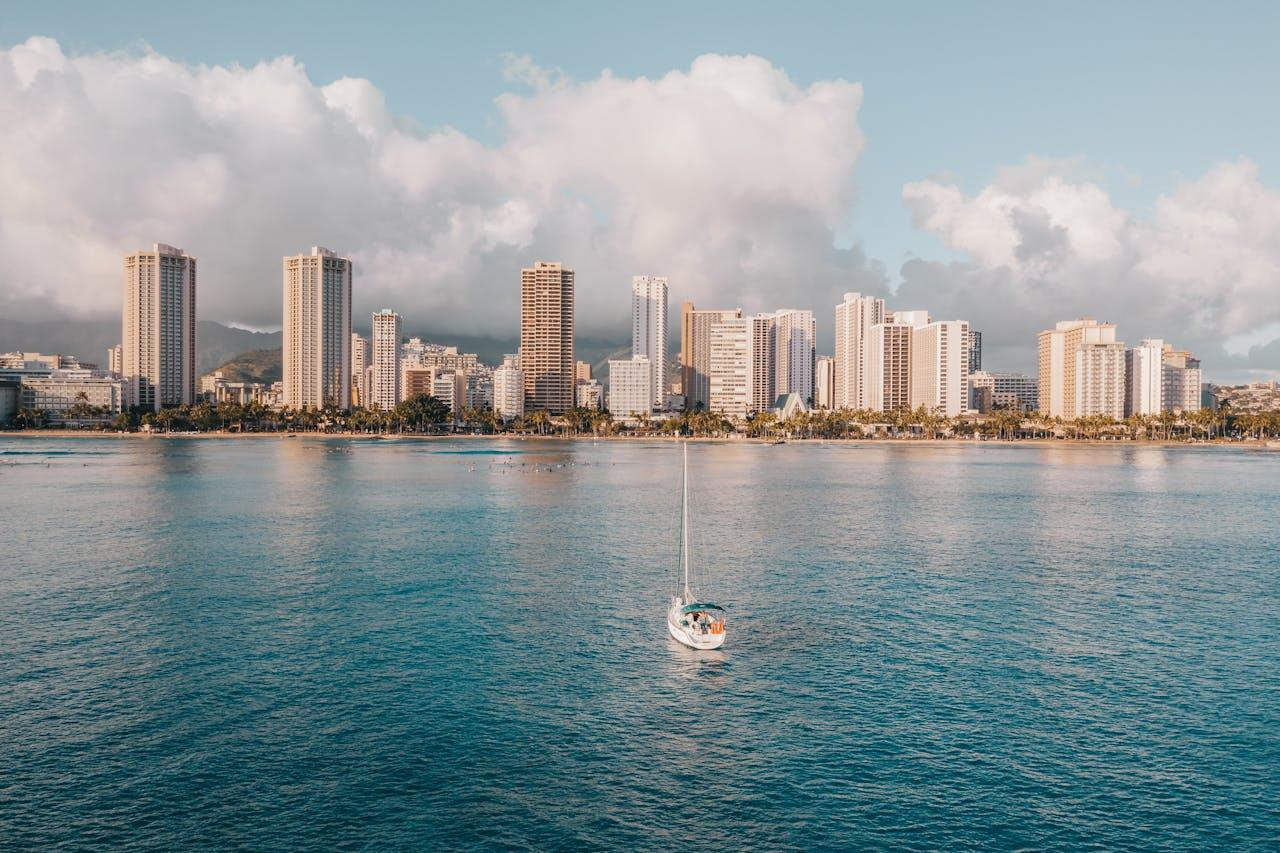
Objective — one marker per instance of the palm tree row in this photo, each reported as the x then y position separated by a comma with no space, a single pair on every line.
426,414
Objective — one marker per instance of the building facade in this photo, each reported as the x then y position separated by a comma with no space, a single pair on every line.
940,367
649,330
546,337
695,352
855,316
316,352
508,389
1099,378
360,361
1003,390
384,390
795,349
975,351
158,334
1144,378
631,387
1058,364
824,382
887,376
729,359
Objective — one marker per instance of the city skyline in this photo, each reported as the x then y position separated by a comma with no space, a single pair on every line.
784,205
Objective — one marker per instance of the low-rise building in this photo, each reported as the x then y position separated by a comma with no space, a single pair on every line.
1003,391
588,394
508,389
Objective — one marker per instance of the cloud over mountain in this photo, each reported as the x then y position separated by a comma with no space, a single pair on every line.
728,177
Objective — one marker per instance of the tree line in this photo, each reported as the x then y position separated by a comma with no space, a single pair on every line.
425,414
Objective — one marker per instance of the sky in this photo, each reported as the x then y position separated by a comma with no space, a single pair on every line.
1011,164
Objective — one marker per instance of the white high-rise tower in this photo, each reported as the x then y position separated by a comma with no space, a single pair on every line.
649,330
384,392
854,318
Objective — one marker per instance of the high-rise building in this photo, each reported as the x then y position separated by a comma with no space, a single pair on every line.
508,388
1058,347
630,387
763,362
450,388
115,360
317,330
795,335
649,330
940,367
360,361
695,352
887,378
1099,376
1144,378
854,318
582,371
1180,380
975,351
546,337
1003,390
384,391
824,380
416,380
158,343
729,360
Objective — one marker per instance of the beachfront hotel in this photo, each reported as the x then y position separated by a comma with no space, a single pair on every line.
887,379
1082,370
360,361
317,362
940,367
508,388
384,391
546,337
855,316
631,387
695,352
158,328
795,353
649,332
729,363
824,382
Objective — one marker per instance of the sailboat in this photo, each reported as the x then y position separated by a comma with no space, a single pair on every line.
696,623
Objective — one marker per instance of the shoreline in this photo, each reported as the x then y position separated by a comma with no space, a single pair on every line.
1257,444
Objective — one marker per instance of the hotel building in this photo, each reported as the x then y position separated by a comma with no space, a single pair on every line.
317,330
940,367
631,387
824,379
508,389
546,337
887,358
158,329
729,361
1144,378
360,361
1003,390
649,331
795,349
1060,387
855,317
695,352
384,391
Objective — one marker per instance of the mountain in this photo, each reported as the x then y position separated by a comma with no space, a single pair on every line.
88,340
259,365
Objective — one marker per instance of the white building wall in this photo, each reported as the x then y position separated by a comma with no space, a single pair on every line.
795,335
729,343
385,391
630,387
854,318
649,330
508,389
1144,394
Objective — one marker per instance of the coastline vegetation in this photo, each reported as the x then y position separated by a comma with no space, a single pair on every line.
426,415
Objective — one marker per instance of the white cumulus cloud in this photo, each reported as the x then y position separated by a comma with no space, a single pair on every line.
728,177
1046,243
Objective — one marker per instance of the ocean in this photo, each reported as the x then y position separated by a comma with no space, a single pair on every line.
313,643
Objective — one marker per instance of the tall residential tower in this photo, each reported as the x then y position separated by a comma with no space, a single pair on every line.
158,343
546,337
649,330
317,330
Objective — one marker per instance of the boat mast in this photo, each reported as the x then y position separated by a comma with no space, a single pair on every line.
684,521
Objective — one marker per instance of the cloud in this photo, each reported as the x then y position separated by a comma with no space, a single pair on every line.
728,177
1045,242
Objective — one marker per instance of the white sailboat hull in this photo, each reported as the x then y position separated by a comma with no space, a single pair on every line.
688,635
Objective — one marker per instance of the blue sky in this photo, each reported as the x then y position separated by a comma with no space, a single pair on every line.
1149,93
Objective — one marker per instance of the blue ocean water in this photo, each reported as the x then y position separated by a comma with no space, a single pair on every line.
328,644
